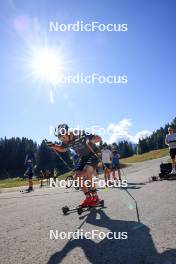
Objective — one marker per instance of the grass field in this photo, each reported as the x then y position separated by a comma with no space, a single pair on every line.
17,182
154,154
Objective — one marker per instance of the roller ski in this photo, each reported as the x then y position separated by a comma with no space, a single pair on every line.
99,203
83,207
84,145
28,190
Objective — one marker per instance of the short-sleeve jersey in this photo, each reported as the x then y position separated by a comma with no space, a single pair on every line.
171,140
79,143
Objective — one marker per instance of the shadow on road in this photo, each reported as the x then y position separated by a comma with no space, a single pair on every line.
137,249
136,183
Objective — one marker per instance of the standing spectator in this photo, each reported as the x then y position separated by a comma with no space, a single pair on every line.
116,165
48,176
106,159
29,173
170,140
41,177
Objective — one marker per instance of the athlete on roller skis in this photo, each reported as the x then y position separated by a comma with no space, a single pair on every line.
84,145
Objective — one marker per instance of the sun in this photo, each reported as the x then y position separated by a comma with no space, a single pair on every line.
46,65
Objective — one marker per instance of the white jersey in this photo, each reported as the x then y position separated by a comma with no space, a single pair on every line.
171,140
106,155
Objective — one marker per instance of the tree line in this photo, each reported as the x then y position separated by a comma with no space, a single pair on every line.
156,140
14,151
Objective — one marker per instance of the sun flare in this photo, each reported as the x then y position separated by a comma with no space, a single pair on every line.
46,66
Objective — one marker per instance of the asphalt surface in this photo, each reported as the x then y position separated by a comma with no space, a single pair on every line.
150,223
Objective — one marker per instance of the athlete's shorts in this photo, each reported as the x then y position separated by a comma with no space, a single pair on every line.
173,153
29,175
90,160
107,165
116,166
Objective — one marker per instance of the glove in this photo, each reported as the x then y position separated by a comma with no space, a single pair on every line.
49,144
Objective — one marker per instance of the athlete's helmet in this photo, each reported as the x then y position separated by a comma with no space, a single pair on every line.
62,129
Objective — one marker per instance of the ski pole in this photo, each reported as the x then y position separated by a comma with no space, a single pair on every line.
66,164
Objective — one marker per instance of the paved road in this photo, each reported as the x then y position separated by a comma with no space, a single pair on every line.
26,221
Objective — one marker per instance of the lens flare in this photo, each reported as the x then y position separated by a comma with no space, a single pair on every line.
46,66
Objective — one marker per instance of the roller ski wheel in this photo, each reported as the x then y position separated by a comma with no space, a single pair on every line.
101,203
65,210
80,210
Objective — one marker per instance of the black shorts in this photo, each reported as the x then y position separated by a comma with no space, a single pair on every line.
107,165
116,166
29,175
173,153
90,160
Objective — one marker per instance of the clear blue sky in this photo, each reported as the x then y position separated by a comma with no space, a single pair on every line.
146,53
